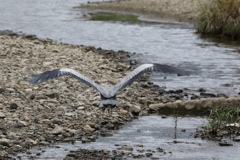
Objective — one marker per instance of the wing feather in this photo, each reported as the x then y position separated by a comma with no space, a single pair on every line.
132,76
40,78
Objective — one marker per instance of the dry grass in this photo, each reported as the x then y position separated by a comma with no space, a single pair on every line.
221,17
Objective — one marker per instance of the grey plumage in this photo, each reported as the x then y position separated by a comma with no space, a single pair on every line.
108,94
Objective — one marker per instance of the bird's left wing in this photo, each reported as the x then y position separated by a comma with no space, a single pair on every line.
39,78
132,76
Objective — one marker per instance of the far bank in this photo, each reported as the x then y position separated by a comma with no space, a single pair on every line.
177,10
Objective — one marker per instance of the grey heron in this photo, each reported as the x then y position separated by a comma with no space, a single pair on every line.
108,94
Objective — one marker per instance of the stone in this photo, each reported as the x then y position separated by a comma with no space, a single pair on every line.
2,115
88,128
207,95
57,130
123,112
156,106
53,95
142,100
190,104
135,109
22,123
225,144
16,105
11,90
57,121
126,148
3,154
5,142
2,90
237,138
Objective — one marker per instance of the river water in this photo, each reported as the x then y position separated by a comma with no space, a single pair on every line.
214,65
174,136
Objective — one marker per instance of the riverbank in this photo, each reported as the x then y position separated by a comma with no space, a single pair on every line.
173,10
62,110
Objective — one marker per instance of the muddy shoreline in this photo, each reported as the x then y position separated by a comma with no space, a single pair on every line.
167,10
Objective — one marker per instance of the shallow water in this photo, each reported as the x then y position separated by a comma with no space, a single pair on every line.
152,132
214,64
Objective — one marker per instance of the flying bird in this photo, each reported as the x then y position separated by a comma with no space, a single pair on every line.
108,94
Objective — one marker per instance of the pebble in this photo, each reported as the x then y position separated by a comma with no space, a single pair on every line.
88,128
126,148
2,115
57,130
225,144
5,142
135,109
237,138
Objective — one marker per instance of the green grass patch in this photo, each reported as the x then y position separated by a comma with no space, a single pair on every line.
220,117
220,17
106,16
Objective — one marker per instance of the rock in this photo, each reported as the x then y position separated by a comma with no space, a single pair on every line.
156,106
57,130
2,90
225,144
139,145
202,90
207,95
88,128
15,106
3,154
135,109
5,142
57,121
81,108
22,123
222,95
126,148
237,138
142,100
53,95
46,64
190,104
28,90
30,141
148,154
2,115
11,90
123,112
31,96
44,121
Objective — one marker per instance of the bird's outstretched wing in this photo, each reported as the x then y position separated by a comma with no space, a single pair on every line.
132,76
39,78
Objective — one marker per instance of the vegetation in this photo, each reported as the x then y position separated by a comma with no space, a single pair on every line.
106,16
220,17
224,118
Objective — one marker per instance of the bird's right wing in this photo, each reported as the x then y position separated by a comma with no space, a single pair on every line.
132,76
39,78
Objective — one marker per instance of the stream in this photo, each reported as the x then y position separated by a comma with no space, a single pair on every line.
175,137
214,66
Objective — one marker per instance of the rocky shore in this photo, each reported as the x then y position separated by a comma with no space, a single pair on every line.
176,10
62,110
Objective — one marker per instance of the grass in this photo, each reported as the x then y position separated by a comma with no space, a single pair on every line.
220,17
106,16
221,116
